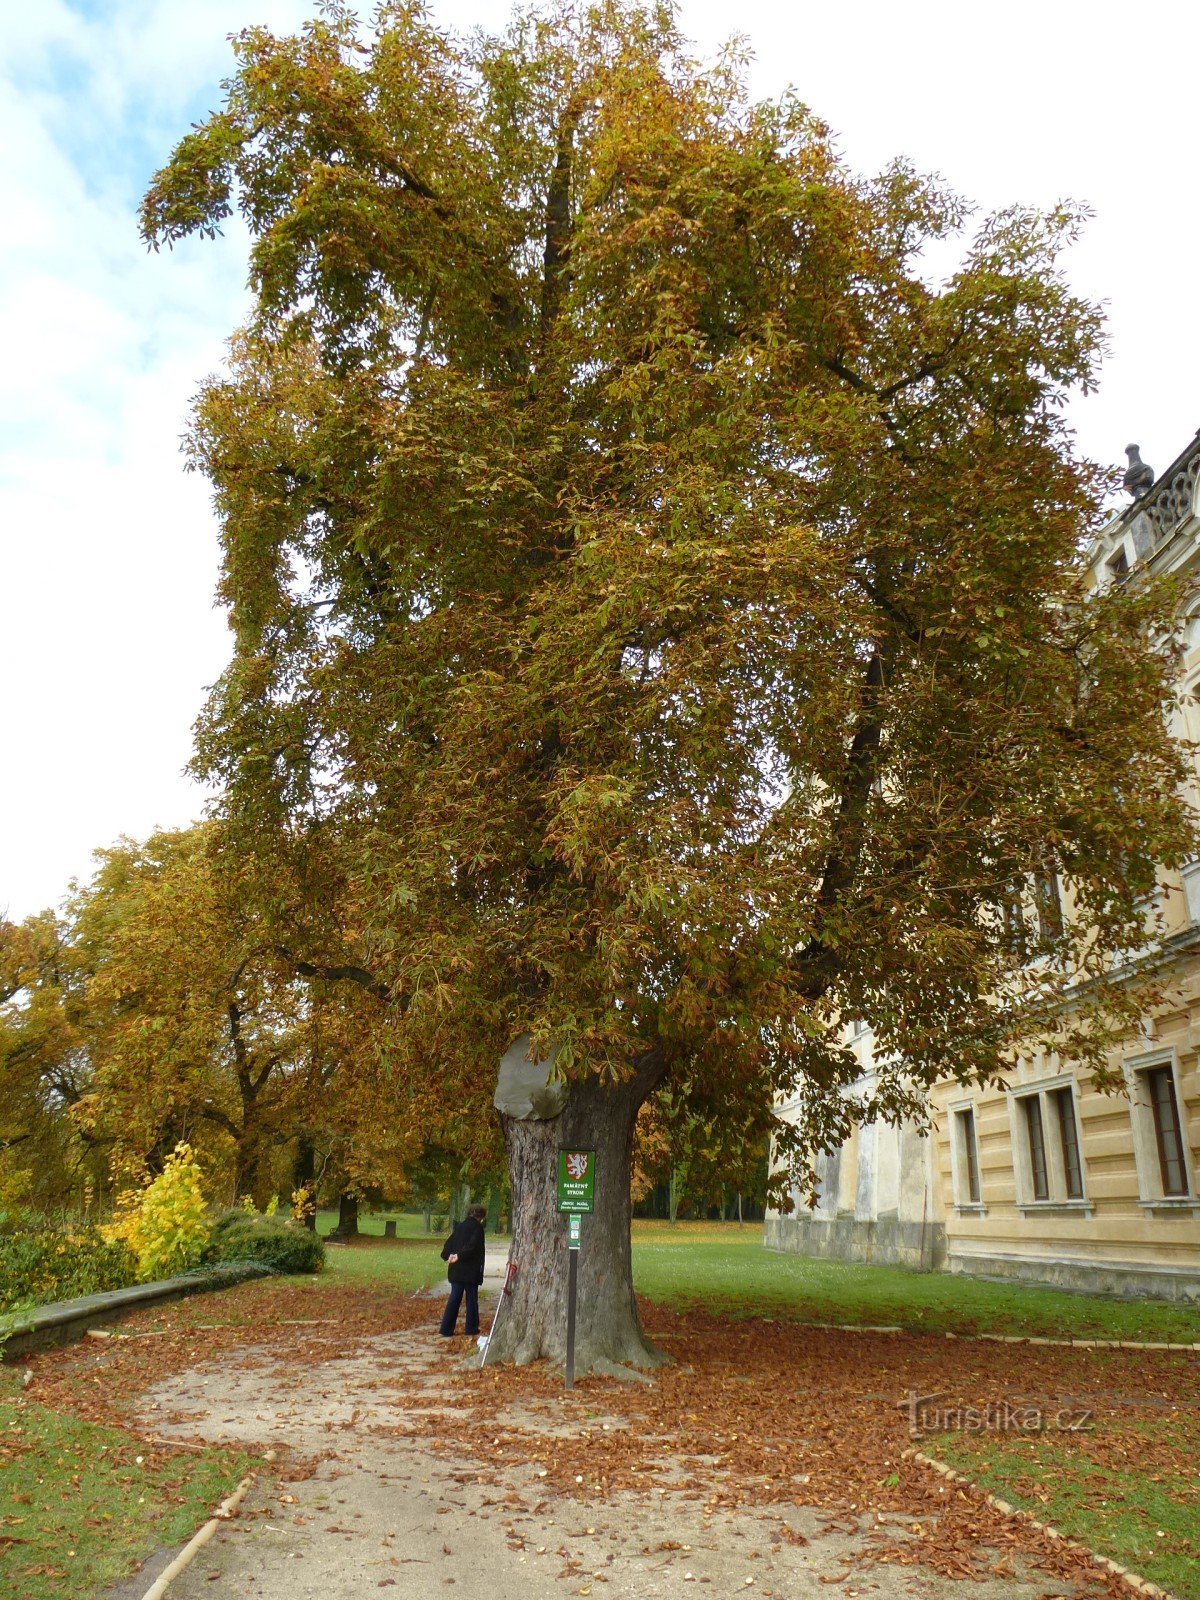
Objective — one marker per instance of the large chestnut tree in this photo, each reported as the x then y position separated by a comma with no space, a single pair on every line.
657,616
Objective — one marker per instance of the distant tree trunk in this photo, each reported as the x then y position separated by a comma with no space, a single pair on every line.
347,1223
675,1194
598,1116
427,1217
739,1208
304,1171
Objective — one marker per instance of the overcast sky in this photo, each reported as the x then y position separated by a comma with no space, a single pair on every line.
108,634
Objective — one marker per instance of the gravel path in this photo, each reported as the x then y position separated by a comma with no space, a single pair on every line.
365,1500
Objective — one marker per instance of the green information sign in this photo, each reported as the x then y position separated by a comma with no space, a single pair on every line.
576,1180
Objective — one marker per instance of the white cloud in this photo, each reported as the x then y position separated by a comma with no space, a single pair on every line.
109,551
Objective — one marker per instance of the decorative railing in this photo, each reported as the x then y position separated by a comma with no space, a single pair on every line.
1173,497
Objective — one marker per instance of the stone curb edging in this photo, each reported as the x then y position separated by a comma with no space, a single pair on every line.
1138,1585
25,1332
224,1512
1005,1338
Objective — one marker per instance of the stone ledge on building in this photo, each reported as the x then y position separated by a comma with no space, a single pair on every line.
1127,1280
884,1240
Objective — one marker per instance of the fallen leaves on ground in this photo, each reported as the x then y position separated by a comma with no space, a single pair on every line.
749,1416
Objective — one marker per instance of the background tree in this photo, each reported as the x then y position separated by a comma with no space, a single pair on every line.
707,1150
46,1159
656,611
195,1025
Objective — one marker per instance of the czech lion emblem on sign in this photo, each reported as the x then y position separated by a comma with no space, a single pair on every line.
577,1163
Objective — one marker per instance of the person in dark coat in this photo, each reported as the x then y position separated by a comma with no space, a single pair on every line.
463,1252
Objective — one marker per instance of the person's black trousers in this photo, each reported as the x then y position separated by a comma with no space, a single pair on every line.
450,1315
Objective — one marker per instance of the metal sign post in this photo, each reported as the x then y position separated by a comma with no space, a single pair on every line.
572,1292
576,1195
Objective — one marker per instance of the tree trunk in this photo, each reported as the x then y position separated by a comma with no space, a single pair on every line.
304,1172
347,1223
674,1194
598,1116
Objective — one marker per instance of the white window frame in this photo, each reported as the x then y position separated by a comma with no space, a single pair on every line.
1057,1200
959,1186
1145,1140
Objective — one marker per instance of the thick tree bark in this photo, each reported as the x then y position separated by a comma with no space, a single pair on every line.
305,1172
598,1116
347,1223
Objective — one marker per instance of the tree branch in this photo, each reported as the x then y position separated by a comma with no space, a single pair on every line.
337,974
841,865
211,1114
650,1068
558,223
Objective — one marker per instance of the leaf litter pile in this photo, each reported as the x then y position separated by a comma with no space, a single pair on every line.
752,1416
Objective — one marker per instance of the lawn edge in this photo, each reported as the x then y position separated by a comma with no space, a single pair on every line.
227,1510
1132,1580
58,1322
1008,1338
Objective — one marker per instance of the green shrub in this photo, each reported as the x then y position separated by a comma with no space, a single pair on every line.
41,1262
277,1242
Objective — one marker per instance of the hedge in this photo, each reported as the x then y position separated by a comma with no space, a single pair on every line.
42,1262
275,1242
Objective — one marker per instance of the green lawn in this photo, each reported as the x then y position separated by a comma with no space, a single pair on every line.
409,1225
1148,1519
405,1263
725,1266
78,1509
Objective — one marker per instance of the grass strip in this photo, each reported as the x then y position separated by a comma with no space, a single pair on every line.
1145,1517
405,1264
83,1505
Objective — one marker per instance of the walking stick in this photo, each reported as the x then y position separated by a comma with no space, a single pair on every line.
510,1272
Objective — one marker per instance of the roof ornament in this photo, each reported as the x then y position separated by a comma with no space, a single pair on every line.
1138,476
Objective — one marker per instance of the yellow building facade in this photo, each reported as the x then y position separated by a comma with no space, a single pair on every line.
1047,1179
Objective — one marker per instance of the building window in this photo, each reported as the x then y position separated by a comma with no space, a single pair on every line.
1168,1134
1016,934
1048,1145
1048,904
968,1157
1156,1114
1035,1145
1033,915
1068,1134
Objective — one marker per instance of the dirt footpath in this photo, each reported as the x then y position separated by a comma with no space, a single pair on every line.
377,1493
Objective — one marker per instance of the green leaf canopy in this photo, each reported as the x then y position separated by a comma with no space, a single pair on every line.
657,607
